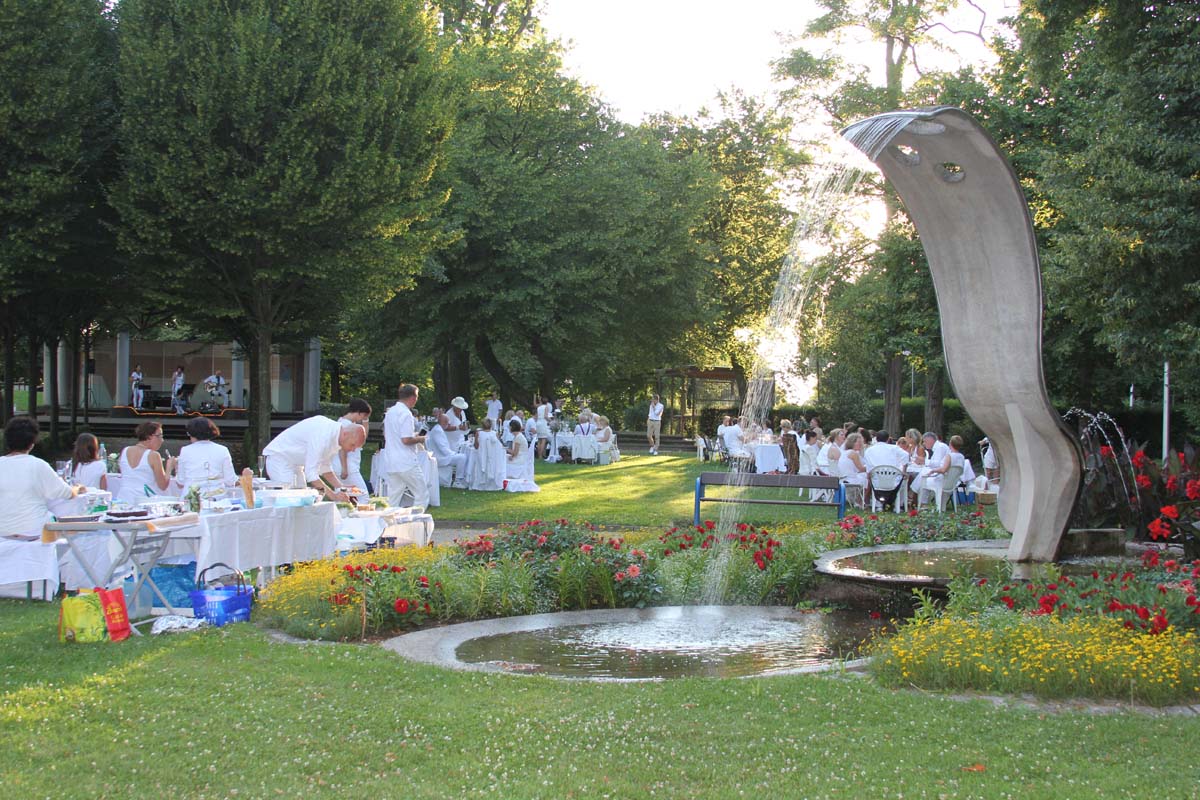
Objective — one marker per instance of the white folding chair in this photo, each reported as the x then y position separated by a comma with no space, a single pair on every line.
943,490
884,479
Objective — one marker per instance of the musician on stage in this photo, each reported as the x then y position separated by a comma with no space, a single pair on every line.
135,386
217,388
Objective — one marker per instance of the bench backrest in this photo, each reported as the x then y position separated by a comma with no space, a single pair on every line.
778,481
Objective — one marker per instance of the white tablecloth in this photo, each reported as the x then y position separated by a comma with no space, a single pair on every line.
768,458
399,524
28,561
263,537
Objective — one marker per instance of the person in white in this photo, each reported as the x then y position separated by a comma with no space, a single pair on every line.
851,468
991,464
203,461
505,432
27,484
882,453
808,453
584,444
937,462
725,420
358,412
519,468
405,449
735,443
606,440
135,386
216,386
654,423
456,426
312,444
438,441
494,410
542,415
177,390
144,474
87,468
488,468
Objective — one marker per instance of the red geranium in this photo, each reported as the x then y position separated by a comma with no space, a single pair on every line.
1143,482
1159,529
1169,511
1139,459
401,605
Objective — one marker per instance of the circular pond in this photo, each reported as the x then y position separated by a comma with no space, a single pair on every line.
648,644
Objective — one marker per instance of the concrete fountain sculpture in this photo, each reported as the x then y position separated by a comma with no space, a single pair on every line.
974,224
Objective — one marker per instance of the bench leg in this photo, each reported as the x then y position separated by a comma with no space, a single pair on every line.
840,496
699,496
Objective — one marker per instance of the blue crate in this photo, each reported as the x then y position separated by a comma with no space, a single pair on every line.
221,605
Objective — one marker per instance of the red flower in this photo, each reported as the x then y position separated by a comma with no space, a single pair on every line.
633,571
1106,452
1143,482
1169,511
912,512
1159,623
876,615
401,605
587,548
1159,529
423,581
1172,483
1150,558
1139,459
708,523
1008,601
1193,489
620,576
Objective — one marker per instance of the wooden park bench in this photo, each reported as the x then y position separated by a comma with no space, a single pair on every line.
770,482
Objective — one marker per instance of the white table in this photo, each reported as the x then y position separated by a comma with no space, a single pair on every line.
263,537
768,458
367,527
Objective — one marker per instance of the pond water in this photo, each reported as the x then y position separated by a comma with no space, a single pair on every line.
713,641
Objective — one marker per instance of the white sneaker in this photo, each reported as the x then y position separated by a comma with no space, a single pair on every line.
653,452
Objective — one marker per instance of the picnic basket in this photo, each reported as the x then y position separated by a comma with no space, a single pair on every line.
220,605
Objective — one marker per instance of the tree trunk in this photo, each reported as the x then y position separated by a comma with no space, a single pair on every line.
892,391
440,396
10,364
511,392
52,388
934,393
458,375
258,431
550,367
33,365
739,378
73,381
335,380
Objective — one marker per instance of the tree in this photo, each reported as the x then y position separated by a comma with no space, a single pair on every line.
56,67
277,158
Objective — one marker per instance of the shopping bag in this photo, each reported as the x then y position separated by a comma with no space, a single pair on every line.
81,619
116,616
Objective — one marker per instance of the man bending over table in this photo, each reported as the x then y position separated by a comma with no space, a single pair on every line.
312,444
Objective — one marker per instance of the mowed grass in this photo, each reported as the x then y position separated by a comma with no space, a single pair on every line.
638,490
230,712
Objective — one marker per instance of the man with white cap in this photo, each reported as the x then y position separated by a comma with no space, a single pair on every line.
312,444
456,423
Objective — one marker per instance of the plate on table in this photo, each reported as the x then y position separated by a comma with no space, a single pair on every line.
135,514
79,518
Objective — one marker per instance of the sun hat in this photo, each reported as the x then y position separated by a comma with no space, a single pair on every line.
458,402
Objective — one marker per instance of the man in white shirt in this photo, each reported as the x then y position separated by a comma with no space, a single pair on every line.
735,443
404,451
543,413
654,424
456,423
312,444
439,444
216,386
885,454
350,463
495,410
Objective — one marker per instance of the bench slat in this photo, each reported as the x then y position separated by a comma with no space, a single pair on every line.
766,502
768,481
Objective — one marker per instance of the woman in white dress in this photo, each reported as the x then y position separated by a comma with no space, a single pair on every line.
203,460
488,468
144,474
519,468
833,453
87,468
851,468
135,386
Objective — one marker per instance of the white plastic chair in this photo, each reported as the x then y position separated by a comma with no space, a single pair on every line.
885,479
941,490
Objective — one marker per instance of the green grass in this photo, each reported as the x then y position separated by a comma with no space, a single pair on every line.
638,490
228,711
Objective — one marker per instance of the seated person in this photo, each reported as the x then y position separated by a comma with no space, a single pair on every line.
789,442
27,483
144,473
202,460
439,445
851,468
87,468
584,445
489,467
735,442
519,468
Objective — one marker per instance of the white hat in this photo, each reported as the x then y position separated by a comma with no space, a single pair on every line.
458,402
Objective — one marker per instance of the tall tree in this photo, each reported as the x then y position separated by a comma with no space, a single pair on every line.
277,155
56,70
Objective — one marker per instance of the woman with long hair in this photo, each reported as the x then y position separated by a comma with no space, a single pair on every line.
87,468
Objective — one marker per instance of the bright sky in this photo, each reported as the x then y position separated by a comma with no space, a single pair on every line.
646,56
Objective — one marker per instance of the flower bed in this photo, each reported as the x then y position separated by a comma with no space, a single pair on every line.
1048,655
924,525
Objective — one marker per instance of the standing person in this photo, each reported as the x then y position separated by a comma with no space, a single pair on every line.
135,387
87,468
143,472
177,390
654,423
350,462
405,450
542,415
312,443
494,409
456,423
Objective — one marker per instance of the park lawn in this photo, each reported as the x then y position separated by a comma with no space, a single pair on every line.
230,711
638,490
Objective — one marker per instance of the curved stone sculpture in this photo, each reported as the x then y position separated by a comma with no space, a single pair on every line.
978,237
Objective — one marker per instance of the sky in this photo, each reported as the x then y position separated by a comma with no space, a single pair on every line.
646,56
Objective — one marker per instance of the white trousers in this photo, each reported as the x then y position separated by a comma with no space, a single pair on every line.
412,479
